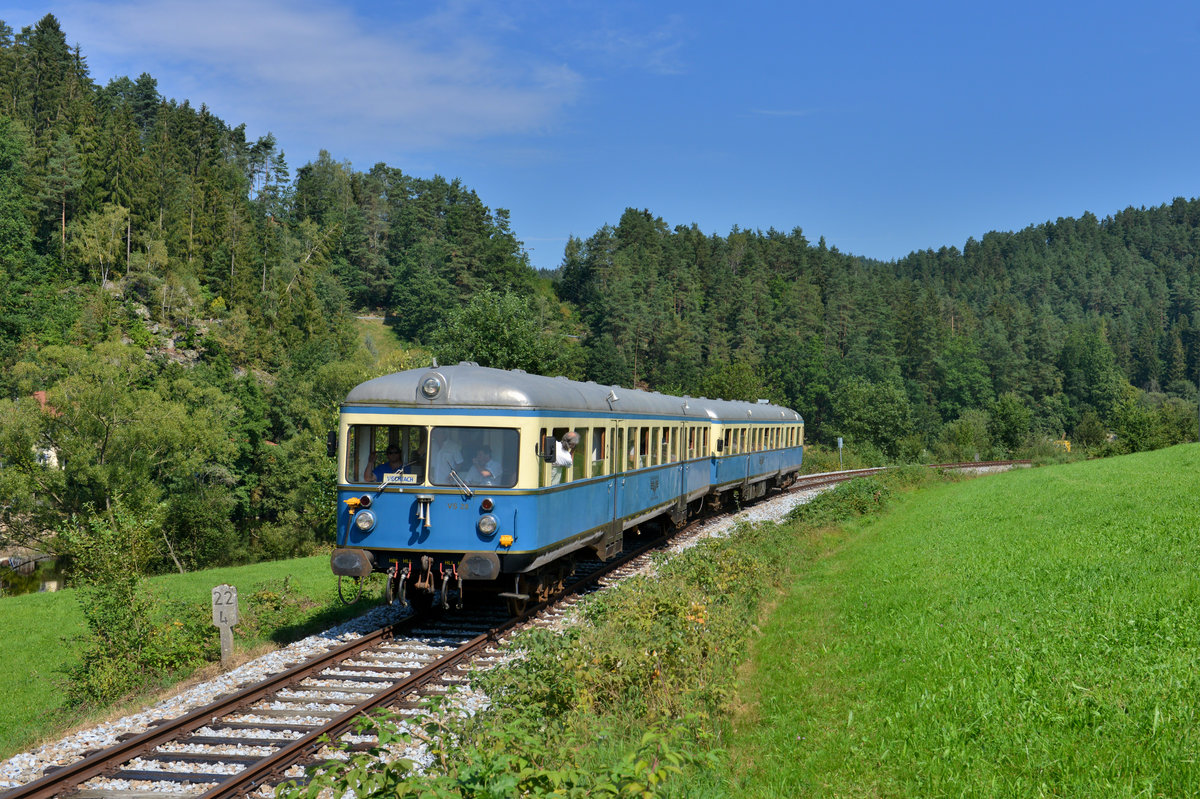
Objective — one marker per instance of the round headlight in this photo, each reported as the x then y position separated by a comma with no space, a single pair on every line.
364,520
487,525
430,386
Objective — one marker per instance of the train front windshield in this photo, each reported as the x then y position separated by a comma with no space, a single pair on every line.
440,456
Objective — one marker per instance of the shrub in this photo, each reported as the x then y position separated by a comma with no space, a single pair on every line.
853,498
109,551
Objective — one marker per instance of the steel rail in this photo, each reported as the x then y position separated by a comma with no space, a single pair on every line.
69,776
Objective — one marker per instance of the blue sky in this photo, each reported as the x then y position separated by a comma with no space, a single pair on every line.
884,127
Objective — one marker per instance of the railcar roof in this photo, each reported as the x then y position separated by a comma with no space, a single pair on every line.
469,385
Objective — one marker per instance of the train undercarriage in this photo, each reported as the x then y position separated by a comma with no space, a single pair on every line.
429,583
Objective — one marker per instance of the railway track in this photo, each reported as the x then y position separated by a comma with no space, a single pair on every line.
249,741
265,734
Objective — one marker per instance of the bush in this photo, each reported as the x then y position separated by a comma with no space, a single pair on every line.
135,638
109,551
850,499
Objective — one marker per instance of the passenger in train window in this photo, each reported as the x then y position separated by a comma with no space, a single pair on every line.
564,456
484,471
446,455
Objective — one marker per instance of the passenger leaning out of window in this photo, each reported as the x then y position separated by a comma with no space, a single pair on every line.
564,457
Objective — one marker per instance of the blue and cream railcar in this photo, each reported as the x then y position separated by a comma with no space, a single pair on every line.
449,474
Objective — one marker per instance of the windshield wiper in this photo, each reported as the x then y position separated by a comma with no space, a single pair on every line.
466,489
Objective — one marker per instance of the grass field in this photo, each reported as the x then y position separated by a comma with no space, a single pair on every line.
38,631
1035,633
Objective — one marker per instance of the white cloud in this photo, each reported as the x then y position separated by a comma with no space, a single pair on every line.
427,82
657,50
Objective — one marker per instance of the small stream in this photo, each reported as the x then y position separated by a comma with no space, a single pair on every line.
30,577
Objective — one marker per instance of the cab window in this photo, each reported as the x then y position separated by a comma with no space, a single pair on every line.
473,456
374,451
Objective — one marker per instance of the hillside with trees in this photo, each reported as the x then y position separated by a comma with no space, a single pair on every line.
1081,328
177,319
177,309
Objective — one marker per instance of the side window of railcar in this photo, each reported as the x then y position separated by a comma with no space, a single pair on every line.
675,441
552,474
373,451
599,453
475,456
579,471
655,448
618,452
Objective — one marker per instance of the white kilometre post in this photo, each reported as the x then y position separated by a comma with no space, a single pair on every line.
225,615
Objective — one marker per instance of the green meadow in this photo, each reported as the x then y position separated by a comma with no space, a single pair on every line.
278,602
1033,633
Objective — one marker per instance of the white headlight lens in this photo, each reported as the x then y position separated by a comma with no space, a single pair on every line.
364,520
430,386
487,524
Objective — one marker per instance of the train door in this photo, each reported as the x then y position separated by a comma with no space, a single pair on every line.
681,452
620,464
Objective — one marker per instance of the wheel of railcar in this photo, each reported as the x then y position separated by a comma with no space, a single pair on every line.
517,606
531,587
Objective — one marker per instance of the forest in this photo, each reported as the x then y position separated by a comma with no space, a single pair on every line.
177,319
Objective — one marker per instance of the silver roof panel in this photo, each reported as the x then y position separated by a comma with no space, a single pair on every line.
472,386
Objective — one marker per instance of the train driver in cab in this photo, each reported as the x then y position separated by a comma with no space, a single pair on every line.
391,464
395,463
484,471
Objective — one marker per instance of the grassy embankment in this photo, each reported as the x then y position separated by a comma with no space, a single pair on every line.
40,633
1034,633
